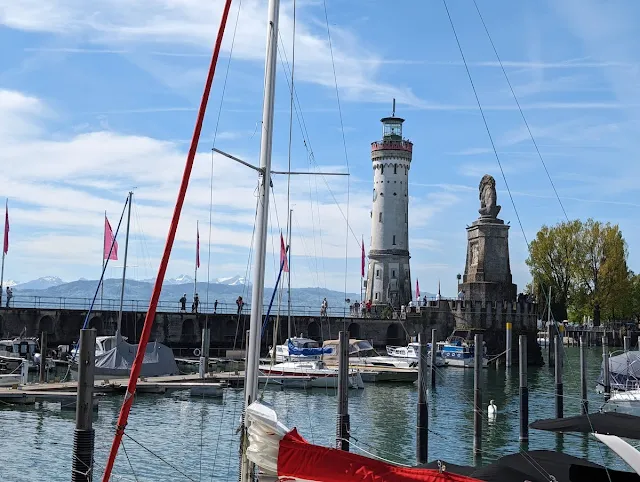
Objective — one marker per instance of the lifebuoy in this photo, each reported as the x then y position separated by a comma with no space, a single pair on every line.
196,352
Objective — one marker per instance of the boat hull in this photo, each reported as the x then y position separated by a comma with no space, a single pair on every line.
313,378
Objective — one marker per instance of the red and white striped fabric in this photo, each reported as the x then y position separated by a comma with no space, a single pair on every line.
281,452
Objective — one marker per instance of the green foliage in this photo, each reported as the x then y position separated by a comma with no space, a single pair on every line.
584,264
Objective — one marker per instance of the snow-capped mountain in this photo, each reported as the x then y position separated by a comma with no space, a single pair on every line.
9,282
40,283
231,281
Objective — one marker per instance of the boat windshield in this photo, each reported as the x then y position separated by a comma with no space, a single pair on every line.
304,343
361,348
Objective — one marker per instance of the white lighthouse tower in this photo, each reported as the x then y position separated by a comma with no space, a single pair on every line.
388,274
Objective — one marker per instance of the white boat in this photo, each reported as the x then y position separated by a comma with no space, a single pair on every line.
297,348
411,352
15,351
8,380
319,374
362,354
459,350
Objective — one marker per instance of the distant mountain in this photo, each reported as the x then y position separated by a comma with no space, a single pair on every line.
226,292
9,282
40,283
186,279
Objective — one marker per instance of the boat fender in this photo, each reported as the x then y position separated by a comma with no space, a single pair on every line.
196,352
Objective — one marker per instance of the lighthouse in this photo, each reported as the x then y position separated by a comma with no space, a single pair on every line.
388,274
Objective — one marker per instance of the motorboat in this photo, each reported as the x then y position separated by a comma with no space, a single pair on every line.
16,351
297,349
412,350
316,373
459,349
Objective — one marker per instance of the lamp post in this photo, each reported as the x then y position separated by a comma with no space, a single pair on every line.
459,277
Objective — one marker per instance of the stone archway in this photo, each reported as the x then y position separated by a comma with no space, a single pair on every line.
395,335
45,324
313,331
188,327
96,322
354,330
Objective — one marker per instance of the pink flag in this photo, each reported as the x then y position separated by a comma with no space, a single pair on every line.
197,246
283,255
362,260
417,288
108,240
5,248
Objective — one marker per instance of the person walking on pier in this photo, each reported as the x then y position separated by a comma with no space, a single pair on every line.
196,302
215,307
323,308
9,295
183,303
239,303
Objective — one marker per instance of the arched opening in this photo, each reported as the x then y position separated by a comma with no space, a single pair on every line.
96,322
354,330
395,335
188,327
45,324
313,331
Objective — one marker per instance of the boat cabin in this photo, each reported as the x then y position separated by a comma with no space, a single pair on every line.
19,347
357,348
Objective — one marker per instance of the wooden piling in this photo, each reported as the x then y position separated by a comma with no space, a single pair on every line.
551,334
524,390
83,437
477,397
434,350
342,422
605,359
627,343
43,356
509,339
422,428
583,378
558,373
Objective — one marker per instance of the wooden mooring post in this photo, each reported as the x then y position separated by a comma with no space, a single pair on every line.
342,422
477,397
524,389
509,340
434,351
605,359
43,357
422,428
83,436
584,402
558,372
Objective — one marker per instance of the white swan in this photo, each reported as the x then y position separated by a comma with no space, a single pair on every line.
492,410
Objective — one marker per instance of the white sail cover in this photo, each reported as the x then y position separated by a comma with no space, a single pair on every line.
117,362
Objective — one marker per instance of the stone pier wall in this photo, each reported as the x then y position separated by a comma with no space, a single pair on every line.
183,330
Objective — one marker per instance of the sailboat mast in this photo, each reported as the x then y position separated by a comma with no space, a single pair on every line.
197,261
104,241
289,280
260,247
124,268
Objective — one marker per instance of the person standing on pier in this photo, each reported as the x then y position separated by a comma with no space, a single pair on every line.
9,295
239,303
323,308
183,303
215,307
196,302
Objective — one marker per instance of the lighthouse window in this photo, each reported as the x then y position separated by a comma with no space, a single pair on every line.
377,273
394,242
395,169
379,217
393,273
382,169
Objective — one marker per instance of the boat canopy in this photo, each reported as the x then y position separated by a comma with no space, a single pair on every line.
624,371
302,350
158,360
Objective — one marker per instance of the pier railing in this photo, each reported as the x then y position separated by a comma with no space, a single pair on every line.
164,306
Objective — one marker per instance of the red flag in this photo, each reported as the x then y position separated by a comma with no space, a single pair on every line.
362,262
5,248
283,255
108,240
417,288
197,246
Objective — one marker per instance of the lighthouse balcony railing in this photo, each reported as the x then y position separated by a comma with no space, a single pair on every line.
392,145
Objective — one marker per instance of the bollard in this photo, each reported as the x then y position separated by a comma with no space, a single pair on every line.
605,360
83,437
43,356
558,372
422,428
477,397
434,350
24,372
524,390
342,422
583,378
508,345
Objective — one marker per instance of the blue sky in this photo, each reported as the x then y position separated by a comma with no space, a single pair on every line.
97,98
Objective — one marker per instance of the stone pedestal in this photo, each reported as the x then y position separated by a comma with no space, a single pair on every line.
487,274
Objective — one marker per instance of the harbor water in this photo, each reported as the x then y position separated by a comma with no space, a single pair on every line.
175,437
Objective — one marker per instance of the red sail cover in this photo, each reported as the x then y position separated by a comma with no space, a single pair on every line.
302,460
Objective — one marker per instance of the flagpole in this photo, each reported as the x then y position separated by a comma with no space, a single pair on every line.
6,210
124,268
195,270
104,240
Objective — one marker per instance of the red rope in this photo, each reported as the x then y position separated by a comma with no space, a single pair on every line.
155,296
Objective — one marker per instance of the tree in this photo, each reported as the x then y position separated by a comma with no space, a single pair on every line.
553,261
603,275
